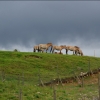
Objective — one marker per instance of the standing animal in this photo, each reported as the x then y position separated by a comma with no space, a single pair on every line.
59,48
43,47
72,48
79,52
36,47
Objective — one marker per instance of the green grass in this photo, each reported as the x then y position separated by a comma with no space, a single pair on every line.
21,70
29,64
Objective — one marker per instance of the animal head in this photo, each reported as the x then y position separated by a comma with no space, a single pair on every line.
76,47
81,53
50,44
63,46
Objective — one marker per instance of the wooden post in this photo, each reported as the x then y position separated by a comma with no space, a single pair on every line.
20,94
78,80
89,66
19,79
99,85
57,73
94,53
23,79
3,76
40,81
82,80
19,85
90,71
54,93
59,79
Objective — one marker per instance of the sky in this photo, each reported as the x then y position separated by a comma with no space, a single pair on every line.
24,24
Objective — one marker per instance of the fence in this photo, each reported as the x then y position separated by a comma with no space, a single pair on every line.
22,86
18,87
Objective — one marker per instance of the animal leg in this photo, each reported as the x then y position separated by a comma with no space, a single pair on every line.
42,50
46,51
34,50
52,50
66,51
73,52
39,49
76,52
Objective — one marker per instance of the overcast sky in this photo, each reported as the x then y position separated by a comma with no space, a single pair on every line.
24,24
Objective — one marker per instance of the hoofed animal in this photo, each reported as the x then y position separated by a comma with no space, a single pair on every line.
79,52
43,47
72,48
36,47
59,48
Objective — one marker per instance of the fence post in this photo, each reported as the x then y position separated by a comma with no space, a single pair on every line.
20,94
99,85
59,79
90,71
18,79
78,80
40,81
22,78
54,93
89,66
19,85
82,80
3,76
94,53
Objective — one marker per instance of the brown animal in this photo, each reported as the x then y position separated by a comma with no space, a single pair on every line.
36,47
79,52
72,48
59,48
43,47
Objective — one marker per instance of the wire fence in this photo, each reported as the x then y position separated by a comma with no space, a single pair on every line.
38,86
20,87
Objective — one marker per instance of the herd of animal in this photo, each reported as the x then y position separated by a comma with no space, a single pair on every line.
41,47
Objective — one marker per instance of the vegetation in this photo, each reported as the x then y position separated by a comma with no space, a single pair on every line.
21,72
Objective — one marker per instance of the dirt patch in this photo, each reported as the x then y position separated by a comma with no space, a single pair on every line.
72,79
33,56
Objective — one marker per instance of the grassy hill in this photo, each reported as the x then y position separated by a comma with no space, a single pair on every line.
22,71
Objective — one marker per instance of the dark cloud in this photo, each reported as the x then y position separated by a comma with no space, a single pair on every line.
25,22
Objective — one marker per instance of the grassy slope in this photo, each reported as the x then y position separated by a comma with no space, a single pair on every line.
18,62
47,65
